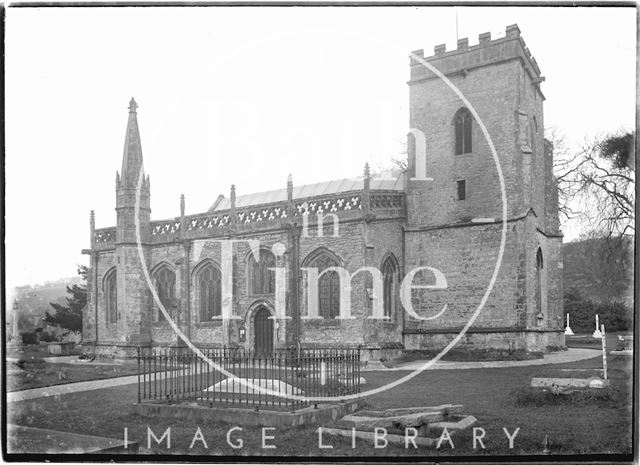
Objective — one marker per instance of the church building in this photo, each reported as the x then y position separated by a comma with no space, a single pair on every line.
440,219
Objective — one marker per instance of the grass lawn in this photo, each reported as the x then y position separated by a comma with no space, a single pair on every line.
485,393
587,341
31,371
41,374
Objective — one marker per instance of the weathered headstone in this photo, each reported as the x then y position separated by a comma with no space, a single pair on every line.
567,330
597,334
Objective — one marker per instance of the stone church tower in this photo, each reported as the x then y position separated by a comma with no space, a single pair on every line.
454,221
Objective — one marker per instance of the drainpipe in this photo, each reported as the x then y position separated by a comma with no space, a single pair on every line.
94,266
296,283
294,279
402,275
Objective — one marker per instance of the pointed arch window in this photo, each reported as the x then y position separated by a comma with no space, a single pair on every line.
390,281
208,292
165,284
262,280
463,131
328,285
111,296
540,282
533,130
539,259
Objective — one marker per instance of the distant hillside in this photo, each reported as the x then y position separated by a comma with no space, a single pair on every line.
599,269
33,300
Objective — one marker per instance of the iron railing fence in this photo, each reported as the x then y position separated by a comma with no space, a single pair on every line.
174,375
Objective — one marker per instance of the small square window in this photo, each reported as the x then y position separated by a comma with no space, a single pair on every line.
462,189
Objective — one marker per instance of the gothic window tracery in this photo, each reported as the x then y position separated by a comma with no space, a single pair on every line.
208,292
390,280
328,285
262,280
111,296
165,284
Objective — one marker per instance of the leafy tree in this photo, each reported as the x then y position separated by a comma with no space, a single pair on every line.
69,316
601,268
619,148
616,316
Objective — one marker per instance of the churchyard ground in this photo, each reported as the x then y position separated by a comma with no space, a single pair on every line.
29,368
598,425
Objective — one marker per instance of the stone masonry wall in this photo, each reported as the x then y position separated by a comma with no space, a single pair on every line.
493,92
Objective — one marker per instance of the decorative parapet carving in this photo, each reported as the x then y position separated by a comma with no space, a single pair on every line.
258,215
165,227
217,223
340,203
206,221
387,200
105,236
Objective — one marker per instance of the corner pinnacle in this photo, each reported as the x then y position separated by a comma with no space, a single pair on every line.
132,105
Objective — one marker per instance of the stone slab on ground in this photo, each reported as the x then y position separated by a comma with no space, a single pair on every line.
398,421
395,439
423,424
375,365
73,359
248,416
237,385
455,423
444,408
28,440
569,382
60,348
627,352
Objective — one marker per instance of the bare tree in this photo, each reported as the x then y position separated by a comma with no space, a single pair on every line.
566,166
607,180
596,183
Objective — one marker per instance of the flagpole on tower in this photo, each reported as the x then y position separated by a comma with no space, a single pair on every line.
456,10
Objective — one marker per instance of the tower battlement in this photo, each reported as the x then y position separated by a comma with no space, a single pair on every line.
486,52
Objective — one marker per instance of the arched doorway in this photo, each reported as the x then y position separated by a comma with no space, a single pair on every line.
263,332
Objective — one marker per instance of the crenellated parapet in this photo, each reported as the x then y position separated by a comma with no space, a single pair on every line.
465,57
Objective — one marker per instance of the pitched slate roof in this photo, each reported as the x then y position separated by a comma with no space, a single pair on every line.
389,181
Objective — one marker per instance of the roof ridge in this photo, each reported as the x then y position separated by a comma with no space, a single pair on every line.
333,186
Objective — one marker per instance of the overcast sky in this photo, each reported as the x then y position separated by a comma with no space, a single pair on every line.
248,95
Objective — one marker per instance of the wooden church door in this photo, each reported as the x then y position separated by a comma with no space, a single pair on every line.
263,331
